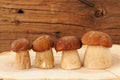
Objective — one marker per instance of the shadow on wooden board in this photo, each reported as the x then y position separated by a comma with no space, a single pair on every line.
29,19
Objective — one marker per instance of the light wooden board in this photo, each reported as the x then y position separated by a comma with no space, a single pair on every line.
7,70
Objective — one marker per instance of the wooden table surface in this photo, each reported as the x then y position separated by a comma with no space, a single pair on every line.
8,72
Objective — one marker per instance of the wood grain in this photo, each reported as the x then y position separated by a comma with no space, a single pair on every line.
57,18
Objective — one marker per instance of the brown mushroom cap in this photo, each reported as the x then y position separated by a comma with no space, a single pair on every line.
20,45
97,38
42,43
68,43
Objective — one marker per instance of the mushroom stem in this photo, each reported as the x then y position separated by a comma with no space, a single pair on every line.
70,60
97,57
44,59
22,60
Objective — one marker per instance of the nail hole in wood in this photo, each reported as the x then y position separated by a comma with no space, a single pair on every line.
20,11
57,34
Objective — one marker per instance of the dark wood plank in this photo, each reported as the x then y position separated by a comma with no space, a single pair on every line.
56,18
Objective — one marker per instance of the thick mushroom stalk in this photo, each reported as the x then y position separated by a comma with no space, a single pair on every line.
44,59
97,57
22,60
44,56
21,48
70,60
70,57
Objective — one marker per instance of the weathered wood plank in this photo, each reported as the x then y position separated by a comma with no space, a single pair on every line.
57,18
45,17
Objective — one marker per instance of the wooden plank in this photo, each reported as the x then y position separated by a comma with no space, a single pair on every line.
8,71
115,69
57,18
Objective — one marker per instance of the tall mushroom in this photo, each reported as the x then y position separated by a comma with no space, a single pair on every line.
97,55
70,57
44,55
22,59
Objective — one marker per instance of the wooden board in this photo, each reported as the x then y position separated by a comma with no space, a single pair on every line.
8,72
29,19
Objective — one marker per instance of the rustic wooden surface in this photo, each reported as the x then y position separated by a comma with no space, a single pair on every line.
29,19
8,71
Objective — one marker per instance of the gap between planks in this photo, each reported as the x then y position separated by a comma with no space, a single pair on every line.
113,74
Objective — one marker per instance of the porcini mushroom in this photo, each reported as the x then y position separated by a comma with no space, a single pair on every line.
44,55
97,55
70,57
22,59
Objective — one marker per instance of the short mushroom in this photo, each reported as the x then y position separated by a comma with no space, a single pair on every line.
22,59
70,57
44,56
97,55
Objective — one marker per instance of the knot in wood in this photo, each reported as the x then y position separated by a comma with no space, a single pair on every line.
99,13
17,22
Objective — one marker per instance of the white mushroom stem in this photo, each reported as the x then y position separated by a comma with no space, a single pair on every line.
44,59
22,60
97,57
70,60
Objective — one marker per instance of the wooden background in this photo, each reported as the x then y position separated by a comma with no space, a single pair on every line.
30,18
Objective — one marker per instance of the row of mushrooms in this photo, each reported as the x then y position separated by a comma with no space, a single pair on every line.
97,54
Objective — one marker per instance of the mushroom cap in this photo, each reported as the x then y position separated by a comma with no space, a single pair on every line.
42,43
68,43
97,38
20,45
